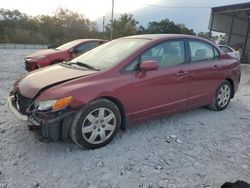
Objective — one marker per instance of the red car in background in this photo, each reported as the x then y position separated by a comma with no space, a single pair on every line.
62,53
127,80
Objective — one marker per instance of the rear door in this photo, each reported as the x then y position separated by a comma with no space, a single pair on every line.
204,73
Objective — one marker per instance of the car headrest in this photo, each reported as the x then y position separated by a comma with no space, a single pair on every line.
172,51
201,54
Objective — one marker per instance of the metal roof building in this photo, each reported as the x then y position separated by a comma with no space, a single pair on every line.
234,20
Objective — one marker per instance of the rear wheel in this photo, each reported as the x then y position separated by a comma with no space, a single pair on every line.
96,124
222,97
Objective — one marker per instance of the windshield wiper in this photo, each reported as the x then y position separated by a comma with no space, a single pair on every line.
83,65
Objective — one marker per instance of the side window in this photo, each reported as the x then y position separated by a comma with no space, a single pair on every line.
216,54
133,66
201,51
167,54
86,47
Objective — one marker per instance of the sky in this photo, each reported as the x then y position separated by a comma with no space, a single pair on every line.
193,13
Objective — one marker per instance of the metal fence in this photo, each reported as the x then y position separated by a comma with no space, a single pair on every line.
23,46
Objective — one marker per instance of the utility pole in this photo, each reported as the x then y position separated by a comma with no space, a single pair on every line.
112,19
103,23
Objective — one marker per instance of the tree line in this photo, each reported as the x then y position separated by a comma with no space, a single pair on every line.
66,25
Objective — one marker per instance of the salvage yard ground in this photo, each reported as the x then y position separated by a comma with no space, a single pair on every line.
199,148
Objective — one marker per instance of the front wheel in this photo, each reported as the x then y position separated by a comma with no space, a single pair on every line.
222,97
96,124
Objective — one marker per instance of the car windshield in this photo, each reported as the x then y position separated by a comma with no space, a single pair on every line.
111,53
68,45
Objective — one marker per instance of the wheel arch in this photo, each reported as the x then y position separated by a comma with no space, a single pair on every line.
232,85
124,120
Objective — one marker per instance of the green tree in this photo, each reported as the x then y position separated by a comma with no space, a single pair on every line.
166,26
124,26
64,26
222,39
204,35
67,25
141,30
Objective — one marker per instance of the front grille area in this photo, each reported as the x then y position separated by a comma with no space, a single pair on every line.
22,103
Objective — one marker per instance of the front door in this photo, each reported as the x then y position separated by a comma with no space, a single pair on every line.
162,90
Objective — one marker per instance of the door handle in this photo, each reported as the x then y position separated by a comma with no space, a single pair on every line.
182,73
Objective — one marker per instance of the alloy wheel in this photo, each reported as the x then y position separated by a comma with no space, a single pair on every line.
224,95
98,125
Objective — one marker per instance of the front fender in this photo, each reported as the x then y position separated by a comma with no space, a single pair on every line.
82,90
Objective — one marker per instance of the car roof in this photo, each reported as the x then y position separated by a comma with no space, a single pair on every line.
162,36
86,40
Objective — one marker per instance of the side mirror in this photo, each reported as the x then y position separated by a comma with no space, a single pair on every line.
149,65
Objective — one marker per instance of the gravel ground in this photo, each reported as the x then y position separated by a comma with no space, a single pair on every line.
199,148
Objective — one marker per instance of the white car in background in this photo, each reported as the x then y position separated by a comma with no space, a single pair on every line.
230,51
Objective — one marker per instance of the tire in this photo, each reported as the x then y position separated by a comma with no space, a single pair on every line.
222,96
37,67
96,124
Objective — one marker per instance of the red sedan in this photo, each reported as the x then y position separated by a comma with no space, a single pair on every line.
62,53
125,81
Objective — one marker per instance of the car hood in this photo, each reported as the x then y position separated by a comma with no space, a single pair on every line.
31,84
43,53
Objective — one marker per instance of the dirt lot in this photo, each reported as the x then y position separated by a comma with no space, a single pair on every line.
200,148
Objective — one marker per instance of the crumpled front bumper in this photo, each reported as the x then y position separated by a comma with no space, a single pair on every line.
15,111
53,127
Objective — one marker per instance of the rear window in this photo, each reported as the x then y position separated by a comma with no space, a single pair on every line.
68,45
201,51
226,49
86,47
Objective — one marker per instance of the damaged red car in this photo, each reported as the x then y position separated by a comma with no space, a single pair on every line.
62,53
125,81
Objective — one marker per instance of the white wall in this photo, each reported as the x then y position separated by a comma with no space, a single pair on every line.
239,27
222,23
